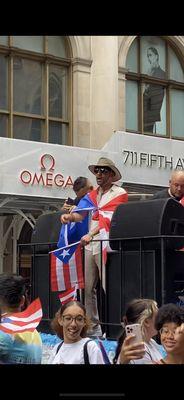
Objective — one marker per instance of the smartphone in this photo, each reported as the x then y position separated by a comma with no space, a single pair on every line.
70,201
134,329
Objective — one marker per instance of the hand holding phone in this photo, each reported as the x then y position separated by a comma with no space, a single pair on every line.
134,329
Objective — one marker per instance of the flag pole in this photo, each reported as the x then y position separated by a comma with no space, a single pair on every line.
62,248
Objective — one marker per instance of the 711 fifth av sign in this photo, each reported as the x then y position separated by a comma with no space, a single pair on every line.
151,160
146,159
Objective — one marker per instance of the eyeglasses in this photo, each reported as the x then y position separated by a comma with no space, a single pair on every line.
68,319
103,170
166,331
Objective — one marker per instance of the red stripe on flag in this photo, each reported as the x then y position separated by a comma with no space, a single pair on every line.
12,323
112,204
66,273
31,309
79,267
68,295
53,275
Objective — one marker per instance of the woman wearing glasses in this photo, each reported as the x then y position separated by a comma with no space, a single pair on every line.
71,324
170,324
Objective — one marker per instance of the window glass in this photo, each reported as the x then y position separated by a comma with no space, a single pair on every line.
3,125
154,110
153,57
131,105
4,40
56,46
57,92
177,113
57,133
159,102
132,58
32,43
3,82
27,129
176,71
38,88
27,86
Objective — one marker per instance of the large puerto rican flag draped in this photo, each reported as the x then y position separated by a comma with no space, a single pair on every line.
104,216
23,321
66,268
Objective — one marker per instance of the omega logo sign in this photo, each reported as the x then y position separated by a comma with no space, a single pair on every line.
46,177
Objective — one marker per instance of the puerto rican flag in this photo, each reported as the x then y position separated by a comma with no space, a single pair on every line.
26,320
104,216
68,295
67,275
66,261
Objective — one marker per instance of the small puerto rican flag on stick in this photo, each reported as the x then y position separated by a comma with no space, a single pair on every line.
68,295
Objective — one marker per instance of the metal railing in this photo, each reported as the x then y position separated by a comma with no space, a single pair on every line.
125,249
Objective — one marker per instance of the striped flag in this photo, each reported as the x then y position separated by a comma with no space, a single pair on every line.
104,216
65,276
26,320
68,295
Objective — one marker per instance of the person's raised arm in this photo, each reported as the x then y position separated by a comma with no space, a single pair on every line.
73,217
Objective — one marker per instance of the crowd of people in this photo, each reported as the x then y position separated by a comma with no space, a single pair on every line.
77,325
71,324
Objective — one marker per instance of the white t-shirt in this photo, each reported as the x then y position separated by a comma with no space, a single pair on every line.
73,353
152,353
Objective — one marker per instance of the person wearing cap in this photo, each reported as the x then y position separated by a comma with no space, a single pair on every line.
81,186
106,174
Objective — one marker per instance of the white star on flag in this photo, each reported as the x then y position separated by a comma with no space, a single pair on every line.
65,253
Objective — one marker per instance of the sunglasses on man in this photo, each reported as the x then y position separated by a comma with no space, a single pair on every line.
103,170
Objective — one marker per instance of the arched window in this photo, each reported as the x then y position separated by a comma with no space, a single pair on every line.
154,88
34,88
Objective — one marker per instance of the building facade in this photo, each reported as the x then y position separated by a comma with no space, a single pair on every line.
65,101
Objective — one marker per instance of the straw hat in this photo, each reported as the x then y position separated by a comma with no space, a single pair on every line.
106,162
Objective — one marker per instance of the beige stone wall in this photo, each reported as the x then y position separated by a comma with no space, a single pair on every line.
95,90
104,89
98,87
81,103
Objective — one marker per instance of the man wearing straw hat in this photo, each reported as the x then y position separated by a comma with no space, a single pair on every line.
106,197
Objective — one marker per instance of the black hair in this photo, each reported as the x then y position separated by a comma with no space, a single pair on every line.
169,313
79,183
12,288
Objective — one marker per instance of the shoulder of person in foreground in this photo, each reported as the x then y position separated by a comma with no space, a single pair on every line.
6,343
25,347
152,353
94,353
